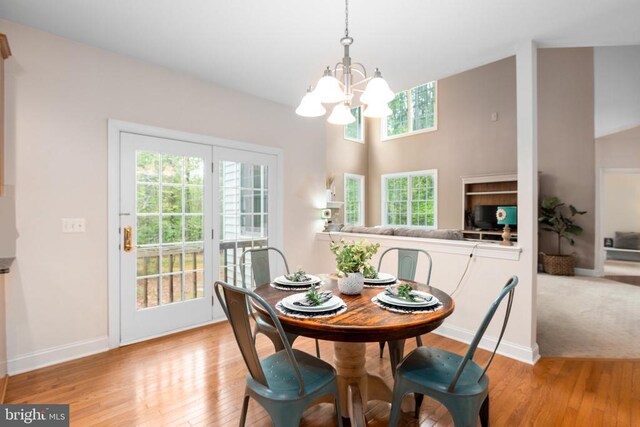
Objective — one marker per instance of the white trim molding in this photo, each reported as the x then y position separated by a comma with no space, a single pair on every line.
457,247
54,355
524,354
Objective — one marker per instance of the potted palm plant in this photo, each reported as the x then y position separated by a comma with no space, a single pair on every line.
352,260
554,218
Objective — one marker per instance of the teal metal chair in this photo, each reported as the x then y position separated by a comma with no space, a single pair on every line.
455,381
407,266
284,383
261,272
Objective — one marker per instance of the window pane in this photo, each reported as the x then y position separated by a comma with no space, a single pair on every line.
413,193
353,202
172,168
148,230
148,166
172,199
194,170
193,199
398,120
193,228
171,228
354,130
148,198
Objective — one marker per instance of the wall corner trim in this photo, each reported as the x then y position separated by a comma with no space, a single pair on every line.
53,355
529,355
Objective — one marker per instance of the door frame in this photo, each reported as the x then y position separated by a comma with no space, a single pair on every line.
599,217
115,127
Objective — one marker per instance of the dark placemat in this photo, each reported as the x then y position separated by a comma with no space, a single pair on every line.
292,288
309,315
411,310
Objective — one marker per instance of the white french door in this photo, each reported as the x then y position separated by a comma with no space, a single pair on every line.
187,213
246,209
165,243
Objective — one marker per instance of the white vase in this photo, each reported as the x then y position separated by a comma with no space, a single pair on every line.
352,284
329,195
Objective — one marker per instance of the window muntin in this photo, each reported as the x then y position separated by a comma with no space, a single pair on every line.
353,199
412,110
410,199
355,131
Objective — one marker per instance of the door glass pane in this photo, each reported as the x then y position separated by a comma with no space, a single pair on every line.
243,216
170,228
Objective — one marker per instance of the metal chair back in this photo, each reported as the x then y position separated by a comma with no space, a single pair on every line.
234,301
508,289
260,266
408,263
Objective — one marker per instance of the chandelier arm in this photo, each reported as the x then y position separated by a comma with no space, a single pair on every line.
365,80
364,69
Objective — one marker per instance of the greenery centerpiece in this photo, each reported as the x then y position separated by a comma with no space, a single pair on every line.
555,218
352,262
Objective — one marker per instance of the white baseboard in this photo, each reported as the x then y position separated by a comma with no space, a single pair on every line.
586,272
51,356
514,351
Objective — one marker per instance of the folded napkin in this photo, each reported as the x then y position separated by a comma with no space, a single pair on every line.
298,278
305,302
393,292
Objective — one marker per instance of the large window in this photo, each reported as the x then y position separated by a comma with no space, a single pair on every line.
353,199
412,110
410,199
355,131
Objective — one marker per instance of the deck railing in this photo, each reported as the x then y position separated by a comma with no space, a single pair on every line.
151,269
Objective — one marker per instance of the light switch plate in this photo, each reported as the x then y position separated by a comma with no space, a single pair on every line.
73,225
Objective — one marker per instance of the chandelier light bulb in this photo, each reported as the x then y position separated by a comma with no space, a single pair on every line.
378,111
310,106
341,115
328,89
377,91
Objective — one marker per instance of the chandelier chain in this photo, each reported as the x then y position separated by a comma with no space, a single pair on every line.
346,18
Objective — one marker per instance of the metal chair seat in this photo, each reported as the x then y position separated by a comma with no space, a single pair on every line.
434,369
283,383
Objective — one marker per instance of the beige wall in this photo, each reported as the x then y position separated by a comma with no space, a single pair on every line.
566,146
619,150
60,95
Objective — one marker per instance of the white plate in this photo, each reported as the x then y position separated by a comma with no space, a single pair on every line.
333,303
405,303
281,280
382,278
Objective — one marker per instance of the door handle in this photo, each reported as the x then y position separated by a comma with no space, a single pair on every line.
128,245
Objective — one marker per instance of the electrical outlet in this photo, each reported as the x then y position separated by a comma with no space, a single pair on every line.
494,117
73,225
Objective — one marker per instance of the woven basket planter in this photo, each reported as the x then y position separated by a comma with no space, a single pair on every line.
558,265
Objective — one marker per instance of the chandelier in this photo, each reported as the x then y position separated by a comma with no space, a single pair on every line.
331,90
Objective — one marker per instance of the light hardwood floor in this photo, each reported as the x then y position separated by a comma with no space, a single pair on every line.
197,378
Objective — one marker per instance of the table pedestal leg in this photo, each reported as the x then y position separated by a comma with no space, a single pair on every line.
349,360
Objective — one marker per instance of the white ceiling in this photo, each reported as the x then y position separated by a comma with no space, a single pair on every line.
276,49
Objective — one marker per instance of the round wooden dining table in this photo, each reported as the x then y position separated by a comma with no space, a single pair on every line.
363,322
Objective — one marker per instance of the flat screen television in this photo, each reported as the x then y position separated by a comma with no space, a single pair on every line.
484,217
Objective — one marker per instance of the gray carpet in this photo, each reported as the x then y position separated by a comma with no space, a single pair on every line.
588,317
